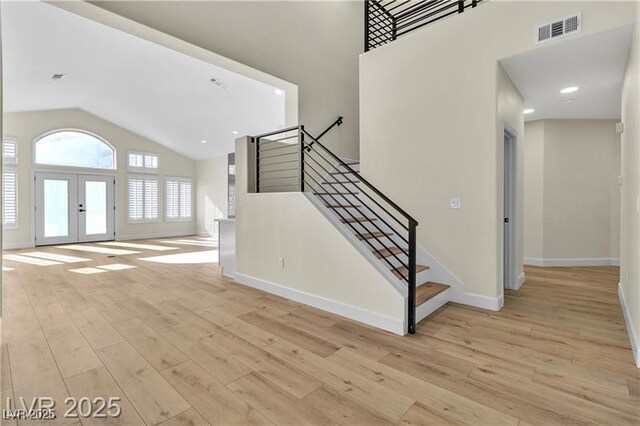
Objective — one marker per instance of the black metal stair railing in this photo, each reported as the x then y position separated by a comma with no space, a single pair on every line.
386,20
292,160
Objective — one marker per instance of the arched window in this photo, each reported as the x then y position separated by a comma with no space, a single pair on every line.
74,148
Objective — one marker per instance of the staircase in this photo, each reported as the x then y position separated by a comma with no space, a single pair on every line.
378,228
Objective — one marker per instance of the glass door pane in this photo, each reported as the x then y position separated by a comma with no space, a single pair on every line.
56,208
95,208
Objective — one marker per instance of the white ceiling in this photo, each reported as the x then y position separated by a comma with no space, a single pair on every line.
148,89
594,63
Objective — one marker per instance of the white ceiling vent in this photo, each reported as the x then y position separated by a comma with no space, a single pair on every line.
559,28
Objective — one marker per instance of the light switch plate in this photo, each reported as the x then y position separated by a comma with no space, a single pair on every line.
454,203
281,262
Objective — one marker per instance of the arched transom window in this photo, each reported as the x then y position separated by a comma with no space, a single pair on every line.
73,148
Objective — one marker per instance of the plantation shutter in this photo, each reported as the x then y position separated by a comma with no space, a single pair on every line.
9,201
10,151
150,199
185,199
172,199
135,198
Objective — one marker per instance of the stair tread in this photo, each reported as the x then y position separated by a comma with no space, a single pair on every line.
376,234
403,271
387,252
428,291
343,206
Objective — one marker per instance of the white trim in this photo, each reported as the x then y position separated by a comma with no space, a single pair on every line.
631,330
11,246
519,281
153,235
479,301
375,319
571,262
35,164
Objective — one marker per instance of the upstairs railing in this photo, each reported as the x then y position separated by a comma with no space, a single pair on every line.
292,160
386,20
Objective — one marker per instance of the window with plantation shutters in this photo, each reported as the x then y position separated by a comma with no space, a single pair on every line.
10,151
142,162
178,196
9,199
143,199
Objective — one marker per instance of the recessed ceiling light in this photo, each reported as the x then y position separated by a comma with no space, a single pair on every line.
203,141
528,110
278,92
235,132
569,90
57,76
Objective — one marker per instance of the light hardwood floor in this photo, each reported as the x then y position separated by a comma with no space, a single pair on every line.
180,344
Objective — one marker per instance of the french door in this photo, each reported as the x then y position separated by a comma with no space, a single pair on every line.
74,208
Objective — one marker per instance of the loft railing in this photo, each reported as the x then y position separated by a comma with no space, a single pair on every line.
386,20
292,160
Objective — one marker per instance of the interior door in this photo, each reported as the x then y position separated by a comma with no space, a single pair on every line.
95,208
509,200
56,208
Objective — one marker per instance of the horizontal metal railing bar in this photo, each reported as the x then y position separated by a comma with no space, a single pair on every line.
419,6
270,141
440,13
427,23
279,162
295,185
354,195
361,234
276,132
398,5
275,171
426,7
293,145
266,157
365,204
279,178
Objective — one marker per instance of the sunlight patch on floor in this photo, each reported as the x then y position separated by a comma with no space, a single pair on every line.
139,246
30,260
207,256
56,257
7,269
87,271
95,249
116,267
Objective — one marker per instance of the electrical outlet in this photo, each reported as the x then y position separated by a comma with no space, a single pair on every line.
454,203
281,262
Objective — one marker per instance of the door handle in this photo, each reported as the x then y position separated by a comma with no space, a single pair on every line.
82,210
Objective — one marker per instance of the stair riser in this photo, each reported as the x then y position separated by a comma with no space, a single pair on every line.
431,305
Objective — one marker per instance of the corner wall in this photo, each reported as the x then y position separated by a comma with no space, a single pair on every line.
27,126
430,127
630,215
572,196
211,194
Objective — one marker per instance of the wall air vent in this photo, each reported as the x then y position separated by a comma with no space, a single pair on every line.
559,28
218,83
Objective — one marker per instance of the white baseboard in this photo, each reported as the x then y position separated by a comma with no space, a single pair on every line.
631,330
479,301
571,262
10,246
519,281
154,235
394,325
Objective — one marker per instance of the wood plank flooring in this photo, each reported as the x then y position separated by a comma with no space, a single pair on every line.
181,345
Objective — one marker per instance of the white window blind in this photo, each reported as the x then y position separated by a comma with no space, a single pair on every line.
178,198
143,199
10,151
143,162
9,199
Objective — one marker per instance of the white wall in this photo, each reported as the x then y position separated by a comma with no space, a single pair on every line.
630,209
313,44
321,267
28,126
211,194
533,190
430,129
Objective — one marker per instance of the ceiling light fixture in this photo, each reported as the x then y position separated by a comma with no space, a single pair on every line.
569,90
528,110
203,142
235,132
278,92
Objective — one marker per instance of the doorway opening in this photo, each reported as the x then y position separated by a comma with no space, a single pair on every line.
510,225
73,208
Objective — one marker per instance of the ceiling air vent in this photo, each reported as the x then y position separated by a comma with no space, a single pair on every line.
559,28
